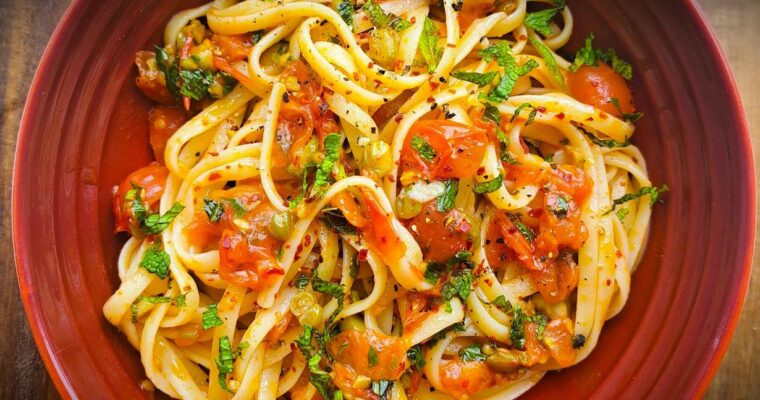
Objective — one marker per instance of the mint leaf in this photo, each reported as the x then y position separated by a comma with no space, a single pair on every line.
381,19
489,186
475,77
472,353
346,11
224,362
541,21
428,45
156,261
211,317
414,354
446,201
501,52
332,151
169,68
320,285
653,192
588,55
531,115
422,147
551,62
154,224
213,209
372,357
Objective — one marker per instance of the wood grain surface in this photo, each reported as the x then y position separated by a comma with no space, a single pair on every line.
26,26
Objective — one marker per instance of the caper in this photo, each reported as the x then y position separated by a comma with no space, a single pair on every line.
406,207
305,307
312,316
301,302
352,323
378,157
504,360
382,46
281,225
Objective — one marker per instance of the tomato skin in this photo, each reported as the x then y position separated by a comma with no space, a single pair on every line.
233,47
461,380
440,235
150,80
162,123
536,353
515,240
352,348
152,180
246,262
557,278
303,113
201,232
598,85
459,149
344,377
557,224
558,339
249,258
379,232
472,10
350,209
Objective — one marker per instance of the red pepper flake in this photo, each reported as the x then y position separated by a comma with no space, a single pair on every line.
307,239
561,116
371,65
431,99
535,213
481,171
362,255
434,85
602,115
399,117
214,176
618,254
541,109
609,282
413,19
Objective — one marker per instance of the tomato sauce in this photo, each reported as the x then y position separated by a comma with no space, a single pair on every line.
151,180
454,150
441,235
370,353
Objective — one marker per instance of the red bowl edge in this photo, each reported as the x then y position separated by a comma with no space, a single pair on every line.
21,235
750,228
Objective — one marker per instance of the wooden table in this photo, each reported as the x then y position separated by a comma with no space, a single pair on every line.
25,28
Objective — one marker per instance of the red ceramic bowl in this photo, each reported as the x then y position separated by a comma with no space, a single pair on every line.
84,129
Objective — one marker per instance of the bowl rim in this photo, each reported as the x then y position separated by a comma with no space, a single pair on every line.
21,237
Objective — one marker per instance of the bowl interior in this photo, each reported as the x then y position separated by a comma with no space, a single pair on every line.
85,128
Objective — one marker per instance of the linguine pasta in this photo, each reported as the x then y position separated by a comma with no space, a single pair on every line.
377,200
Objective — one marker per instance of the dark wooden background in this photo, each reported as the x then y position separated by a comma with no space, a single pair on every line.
26,26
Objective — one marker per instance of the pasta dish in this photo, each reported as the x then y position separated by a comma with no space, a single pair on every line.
377,199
